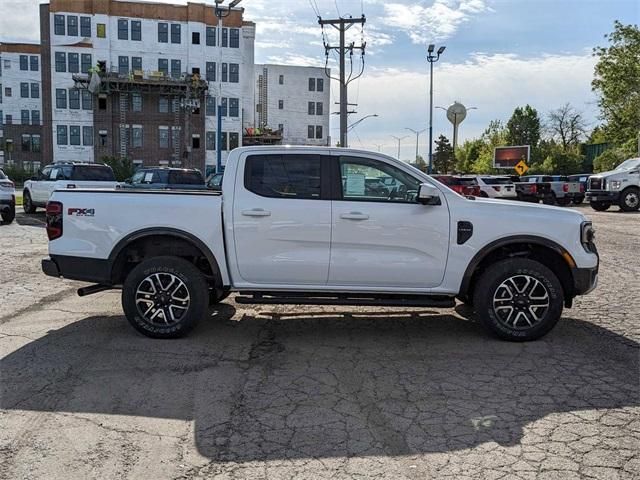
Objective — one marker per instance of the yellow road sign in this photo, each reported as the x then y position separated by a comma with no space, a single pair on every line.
521,167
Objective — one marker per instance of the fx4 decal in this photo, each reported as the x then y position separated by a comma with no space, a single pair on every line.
81,212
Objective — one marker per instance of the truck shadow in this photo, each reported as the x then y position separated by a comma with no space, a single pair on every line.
325,384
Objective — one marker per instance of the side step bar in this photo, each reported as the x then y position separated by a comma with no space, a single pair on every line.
329,298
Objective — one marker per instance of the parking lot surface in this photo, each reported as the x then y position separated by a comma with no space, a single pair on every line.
315,392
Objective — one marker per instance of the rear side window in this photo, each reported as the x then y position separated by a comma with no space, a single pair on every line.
91,173
284,176
496,180
181,177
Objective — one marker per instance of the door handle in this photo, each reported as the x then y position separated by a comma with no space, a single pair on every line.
256,212
355,216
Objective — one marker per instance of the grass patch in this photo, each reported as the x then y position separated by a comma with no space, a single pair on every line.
18,200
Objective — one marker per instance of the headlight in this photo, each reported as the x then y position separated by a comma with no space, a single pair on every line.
588,236
615,184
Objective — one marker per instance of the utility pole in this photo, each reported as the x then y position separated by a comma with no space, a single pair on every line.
399,139
342,25
417,132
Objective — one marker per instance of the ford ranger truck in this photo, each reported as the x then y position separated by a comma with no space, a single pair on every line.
302,225
618,187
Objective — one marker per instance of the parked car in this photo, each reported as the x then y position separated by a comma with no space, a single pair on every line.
496,187
214,182
286,230
529,192
466,186
559,191
620,186
163,178
59,175
582,179
7,198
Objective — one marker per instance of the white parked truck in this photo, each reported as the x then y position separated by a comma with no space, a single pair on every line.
302,225
618,187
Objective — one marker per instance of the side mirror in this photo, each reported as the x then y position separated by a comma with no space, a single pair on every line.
428,194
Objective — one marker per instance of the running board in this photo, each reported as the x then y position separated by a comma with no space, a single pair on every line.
329,298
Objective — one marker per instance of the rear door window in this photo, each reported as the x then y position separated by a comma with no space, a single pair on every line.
98,173
181,177
295,176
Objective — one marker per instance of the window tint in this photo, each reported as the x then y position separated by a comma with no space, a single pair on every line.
496,180
284,176
97,173
185,177
371,180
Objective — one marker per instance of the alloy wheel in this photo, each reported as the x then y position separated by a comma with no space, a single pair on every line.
162,299
521,302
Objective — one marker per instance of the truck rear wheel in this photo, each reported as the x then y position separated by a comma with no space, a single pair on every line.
563,201
518,299
599,206
164,297
630,200
27,203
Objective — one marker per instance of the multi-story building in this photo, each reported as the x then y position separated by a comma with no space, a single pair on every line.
20,105
295,101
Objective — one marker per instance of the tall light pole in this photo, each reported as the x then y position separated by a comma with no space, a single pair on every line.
432,58
417,132
399,139
357,122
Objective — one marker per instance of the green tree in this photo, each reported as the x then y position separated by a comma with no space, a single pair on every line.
494,136
467,154
617,83
523,128
611,158
566,126
443,155
122,167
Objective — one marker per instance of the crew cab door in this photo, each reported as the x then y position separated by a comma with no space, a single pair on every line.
383,238
40,188
282,219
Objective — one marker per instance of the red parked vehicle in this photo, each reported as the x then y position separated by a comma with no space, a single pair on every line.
463,185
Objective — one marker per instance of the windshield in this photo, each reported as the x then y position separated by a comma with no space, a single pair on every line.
629,164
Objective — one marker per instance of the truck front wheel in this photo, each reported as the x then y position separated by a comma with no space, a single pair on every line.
599,206
518,299
630,200
164,297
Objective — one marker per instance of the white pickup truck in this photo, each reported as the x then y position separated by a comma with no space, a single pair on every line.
301,225
620,186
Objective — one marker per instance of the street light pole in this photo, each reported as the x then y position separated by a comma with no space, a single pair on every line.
432,58
357,122
417,135
399,139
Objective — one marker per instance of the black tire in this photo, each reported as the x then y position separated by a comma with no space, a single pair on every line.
599,206
536,311
9,215
549,199
217,295
578,200
27,203
564,201
629,199
156,274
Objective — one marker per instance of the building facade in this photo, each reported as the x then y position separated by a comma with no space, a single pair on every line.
295,101
20,105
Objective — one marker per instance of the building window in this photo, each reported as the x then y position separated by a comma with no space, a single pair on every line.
163,104
61,61
223,141
281,79
24,90
123,65
136,102
280,104
163,65
85,62
176,68
35,117
320,84
8,119
234,140
35,147
225,37
85,26
74,62
61,134
123,29
72,25
210,106
234,72
74,99
35,90
195,141
225,72
24,62
319,131
136,30
195,38
223,107
210,140
234,107
61,98
87,100
7,91
211,71
101,30
163,137
310,131
58,24
175,136
234,38
175,33
34,63
136,136
319,108
312,84
87,136
74,135
26,143
281,127
136,63
163,32
311,108
211,36
24,117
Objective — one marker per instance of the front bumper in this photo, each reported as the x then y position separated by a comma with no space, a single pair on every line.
602,196
585,280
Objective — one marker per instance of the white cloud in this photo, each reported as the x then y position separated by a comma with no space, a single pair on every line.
439,21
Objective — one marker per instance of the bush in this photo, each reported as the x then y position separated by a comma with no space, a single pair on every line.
122,167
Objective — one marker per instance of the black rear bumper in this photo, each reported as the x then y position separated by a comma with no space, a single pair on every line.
85,269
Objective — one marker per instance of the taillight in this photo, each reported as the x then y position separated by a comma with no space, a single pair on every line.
54,220
534,189
581,188
565,187
497,189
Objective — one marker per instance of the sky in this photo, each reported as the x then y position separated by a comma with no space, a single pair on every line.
499,54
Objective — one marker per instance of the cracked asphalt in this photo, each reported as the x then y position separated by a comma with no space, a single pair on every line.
315,392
